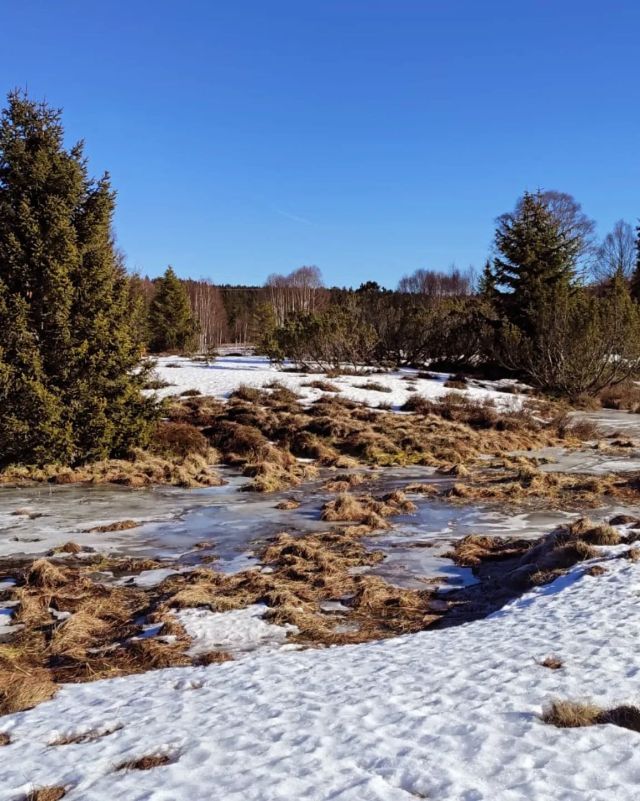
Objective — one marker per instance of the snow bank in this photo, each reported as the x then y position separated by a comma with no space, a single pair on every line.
227,373
448,715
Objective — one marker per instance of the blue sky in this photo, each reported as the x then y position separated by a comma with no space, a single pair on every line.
368,137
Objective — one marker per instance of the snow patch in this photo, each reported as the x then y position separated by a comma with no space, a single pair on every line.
227,373
236,631
448,715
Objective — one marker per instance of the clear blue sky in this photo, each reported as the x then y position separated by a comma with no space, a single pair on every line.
369,137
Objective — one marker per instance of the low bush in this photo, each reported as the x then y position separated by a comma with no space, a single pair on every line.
179,439
623,396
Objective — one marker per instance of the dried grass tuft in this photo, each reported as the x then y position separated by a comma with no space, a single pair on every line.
146,762
212,658
51,793
45,575
85,737
21,690
571,714
119,525
574,714
552,662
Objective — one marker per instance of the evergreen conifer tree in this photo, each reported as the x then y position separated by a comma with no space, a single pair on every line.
171,322
535,258
486,284
66,345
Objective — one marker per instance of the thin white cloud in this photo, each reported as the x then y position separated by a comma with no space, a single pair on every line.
293,217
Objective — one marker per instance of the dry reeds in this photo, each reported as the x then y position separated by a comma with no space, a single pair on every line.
574,714
23,690
45,575
571,714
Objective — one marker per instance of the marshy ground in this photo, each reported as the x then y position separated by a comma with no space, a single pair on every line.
354,521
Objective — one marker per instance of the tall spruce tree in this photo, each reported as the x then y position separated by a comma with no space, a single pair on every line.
69,383
171,322
535,257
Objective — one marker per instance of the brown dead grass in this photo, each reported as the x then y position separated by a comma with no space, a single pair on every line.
574,714
473,549
288,504
367,510
119,525
212,658
24,689
85,737
146,762
525,485
571,714
45,575
144,469
324,386
343,482
261,431
51,793
530,564
552,662
5,739
623,396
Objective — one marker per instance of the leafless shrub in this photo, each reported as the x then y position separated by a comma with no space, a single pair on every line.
623,396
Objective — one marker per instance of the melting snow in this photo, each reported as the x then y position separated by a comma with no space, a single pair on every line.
227,373
449,715
235,631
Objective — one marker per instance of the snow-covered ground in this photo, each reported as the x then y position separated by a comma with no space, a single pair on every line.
237,631
227,373
449,715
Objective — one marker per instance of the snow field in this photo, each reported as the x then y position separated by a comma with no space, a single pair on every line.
227,373
449,715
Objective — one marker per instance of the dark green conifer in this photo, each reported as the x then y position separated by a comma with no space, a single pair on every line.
67,343
535,259
171,322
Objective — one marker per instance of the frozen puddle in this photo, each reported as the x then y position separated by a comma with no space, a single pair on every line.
228,526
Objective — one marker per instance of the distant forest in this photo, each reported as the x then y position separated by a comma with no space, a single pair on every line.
234,314
553,305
